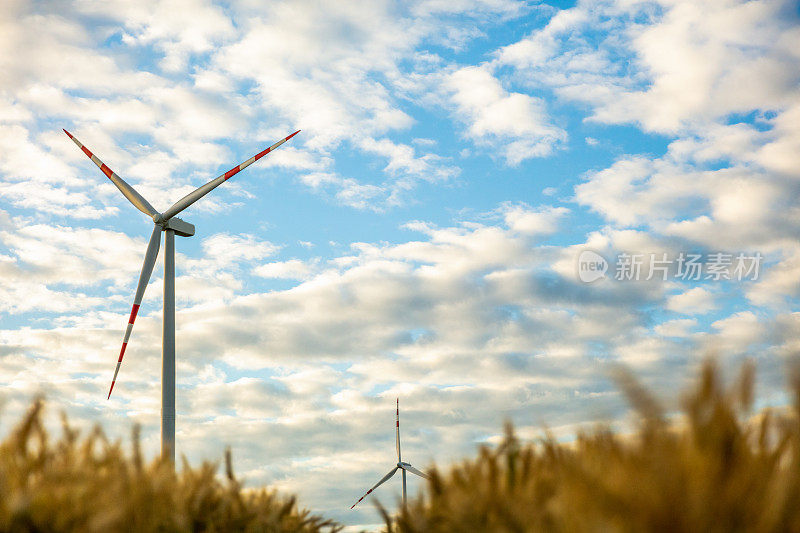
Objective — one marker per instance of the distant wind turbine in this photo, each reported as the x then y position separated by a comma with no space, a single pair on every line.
400,465
170,225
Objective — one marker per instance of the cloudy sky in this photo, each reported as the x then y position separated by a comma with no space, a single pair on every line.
419,239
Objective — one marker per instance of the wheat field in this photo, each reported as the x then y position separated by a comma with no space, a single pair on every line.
719,467
88,484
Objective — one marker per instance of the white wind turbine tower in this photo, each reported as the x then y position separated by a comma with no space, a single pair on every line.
400,465
170,225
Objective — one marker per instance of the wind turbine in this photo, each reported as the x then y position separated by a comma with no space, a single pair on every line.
400,466
170,225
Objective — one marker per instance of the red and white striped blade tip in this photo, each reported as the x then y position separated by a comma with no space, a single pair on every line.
131,320
68,133
361,498
292,135
367,494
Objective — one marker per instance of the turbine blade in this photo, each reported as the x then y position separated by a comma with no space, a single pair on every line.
198,193
144,277
130,193
413,470
378,484
397,429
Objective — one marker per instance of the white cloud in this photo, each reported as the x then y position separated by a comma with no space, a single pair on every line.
341,66
721,51
737,333
37,179
541,221
734,56
347,191
689,63
62,56
694,301
224,249
680,327
722,183
49,265
779,153
737,208
540,46
516,124
292,269
403,160
322,58
780,283
165,25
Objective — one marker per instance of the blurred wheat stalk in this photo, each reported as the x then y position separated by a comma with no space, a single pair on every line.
89,484
719,469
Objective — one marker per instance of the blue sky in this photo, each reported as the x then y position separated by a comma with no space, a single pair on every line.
418,239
